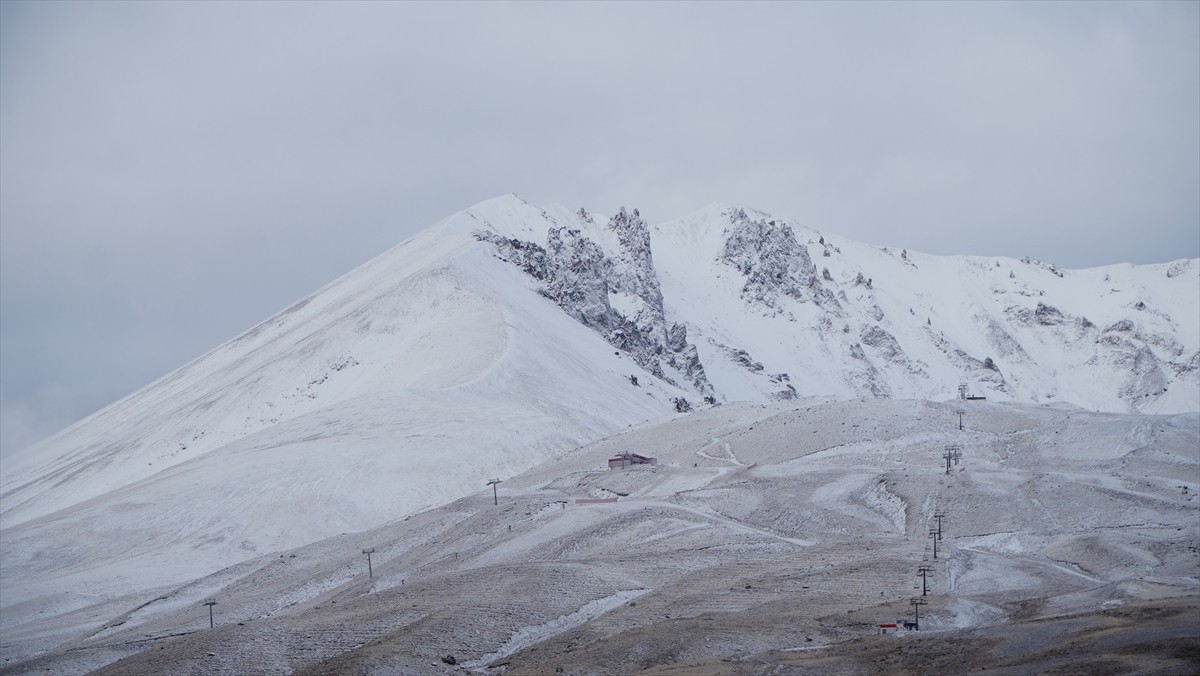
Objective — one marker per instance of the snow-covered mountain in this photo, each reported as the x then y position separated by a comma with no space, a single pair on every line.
508,334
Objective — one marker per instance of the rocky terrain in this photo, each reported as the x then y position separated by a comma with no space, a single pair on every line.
769,538
872,322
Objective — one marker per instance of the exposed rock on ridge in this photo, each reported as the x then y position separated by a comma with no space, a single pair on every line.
773,261
1009,328
584,279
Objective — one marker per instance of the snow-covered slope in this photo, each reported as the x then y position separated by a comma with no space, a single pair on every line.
404,384
764,528
507,334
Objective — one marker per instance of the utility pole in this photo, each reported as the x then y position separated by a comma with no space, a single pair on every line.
916,604
369,551
923,571
935,534
492,483
962,390
960,413
210,603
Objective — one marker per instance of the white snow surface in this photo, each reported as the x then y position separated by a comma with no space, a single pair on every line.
414,379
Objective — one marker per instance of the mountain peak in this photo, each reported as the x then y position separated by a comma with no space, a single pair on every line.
509,333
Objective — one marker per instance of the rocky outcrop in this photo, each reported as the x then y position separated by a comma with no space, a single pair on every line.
888,327
1000,338
633,267
885,344
774,263
1148,360
973,368
864,376
577,278
584,279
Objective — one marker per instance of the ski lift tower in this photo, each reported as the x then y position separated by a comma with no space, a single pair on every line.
923,571
952,454
369,551
917,602
210,603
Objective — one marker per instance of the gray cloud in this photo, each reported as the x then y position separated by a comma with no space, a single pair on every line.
172,173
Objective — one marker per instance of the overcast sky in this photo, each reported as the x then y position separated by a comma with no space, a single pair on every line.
173,173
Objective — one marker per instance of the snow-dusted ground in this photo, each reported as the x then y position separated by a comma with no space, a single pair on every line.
766,527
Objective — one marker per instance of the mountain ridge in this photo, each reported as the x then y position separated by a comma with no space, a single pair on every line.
779,275
507,333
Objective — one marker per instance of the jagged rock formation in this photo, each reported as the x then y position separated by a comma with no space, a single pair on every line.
774,263
859,311
585,280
